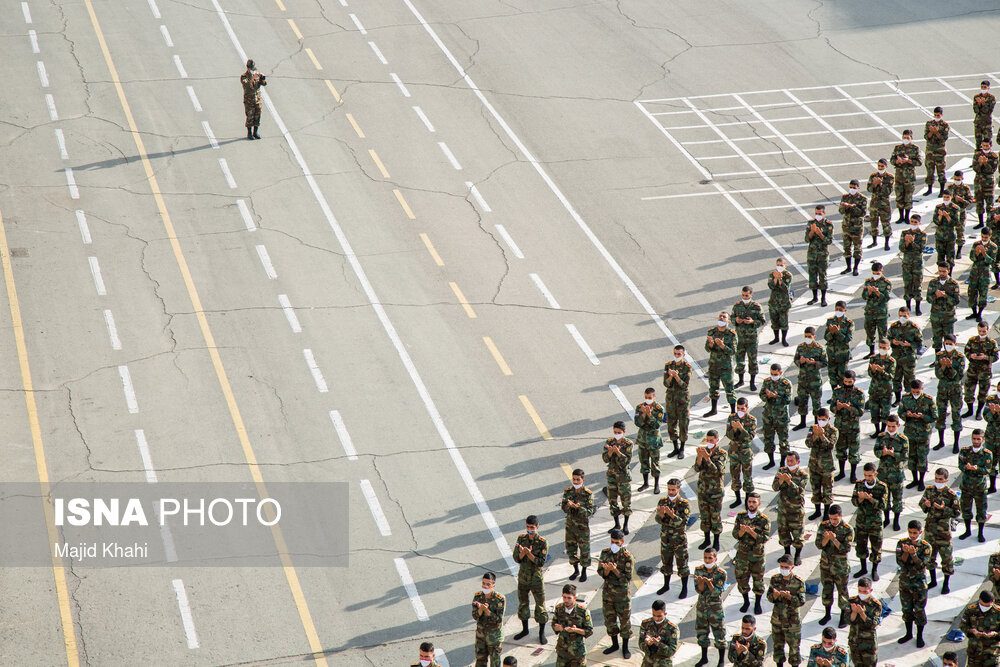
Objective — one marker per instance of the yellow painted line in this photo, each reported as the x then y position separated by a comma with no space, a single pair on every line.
636,580
58,571
336,95
378,163
402,202
568,470
312,57
291,576
538,420
291,24
504,368
281,6
355,125
462,300
431,250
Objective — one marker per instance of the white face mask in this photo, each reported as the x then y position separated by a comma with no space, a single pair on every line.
531,531
710,445
793,466
710,566
619,436
949,348
577,486
914,226
903,320
823,422
424,662
946,201
648,401
751,515
809,339
881,170
487,591
891,431
660,621
673,497
839,313
741,413
775,376
976,449
819,217
906,142
615,548
678,358
864,596
721,324
779,268
957,182
940,485
918,394
984,609
853,191
869,486
982,336
884,353
876,276
785,572
745,301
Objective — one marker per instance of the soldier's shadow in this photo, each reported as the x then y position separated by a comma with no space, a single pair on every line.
119,161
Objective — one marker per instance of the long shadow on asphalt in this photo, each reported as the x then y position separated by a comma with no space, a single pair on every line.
119,161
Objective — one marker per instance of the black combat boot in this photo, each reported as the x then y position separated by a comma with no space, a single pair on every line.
614,645
940,444
704,657
854,271
863,571
541,634
255,128
968,529
684,589
715,542
739,380
887,237
753,382
524,630
871,352
625,521
895,402
673,453
826,617
885,521
680,451
993,483
941,183
645,482
822,300
656,489
722,657
732,408
945,588
625,652
981,223
914,483
814,299
841,475
583,575
847,260
826,512
968,410
784,337
954,445
737,502
895,520
714,411
576,572
844,615
920,482
996,280
617,526
798,556
933,582
756,605
930,189
901,221
708,541
776,337
788,551
909,306
666,585
958,253
746,603
854,473
920,636
249,134
909,633
982,525
770,461
874,570
801,424
917,310
874,241
815,515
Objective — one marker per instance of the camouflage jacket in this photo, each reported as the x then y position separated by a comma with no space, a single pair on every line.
911,570
961,194
982,105
538,547
617,463
864,628
949,374
975,345
987,169
753,656
677,525
791,494
666,635
710,598
983,259
748,544
489,626
880,191
714,469
895,462
869,514
900,333
843,536
973,618
936,139
677,387
813,351
853,208
945,304
787,611
721,357
923,407
616,582
821,449
993,564
570,644
939,517
741,439
819,243
649,427
750,311
837,655
974,480
840,340
578,516
782,388
905,169
877,300
847,417
912,243
779,287
946,219
992,419
880,370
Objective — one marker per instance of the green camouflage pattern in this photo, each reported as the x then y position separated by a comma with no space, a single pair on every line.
749,560
879,210
710,490
489,628
578,524
940,506
942,308
791,500
892,452
912,243
983,256
949,390
810,381
917,429
994,564
974,482
779,302
837,656
708,611
838,347
862,638
746,345
936,134
982,108
913,580
616,603
741,450
753,656
979,372
661,651
569,645
720,362
786,627
904,340
619,477
648,438
848,404
529,576
905,158
673,535
676,399
991,413
868,519
876,293
775,413
880,370
821,464
984,163
852,226
833,565
982,651
819,236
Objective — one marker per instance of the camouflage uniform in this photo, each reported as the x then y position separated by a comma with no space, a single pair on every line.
489,628
982,107
905,174
529,577
821,465
749,559
676,401
746,346
992,430
648,438
913,581
905,355
993,222
961,196
918,429
619,477
862,638
753,656
891,466
982,651
879,208
942,308
791,500
578,524
947,218
876,309
570,649
810,382
837,656
708,612
979,275
779,302
993,564
937,525
985,181
720,363
833,565
934,150
251,83
838,347
710,491
741,450
853,222
775,415
949,389
913,261
848,421
660,653
880,387
673,535
974,482
980,371
868,519
615,600
818,253
786,626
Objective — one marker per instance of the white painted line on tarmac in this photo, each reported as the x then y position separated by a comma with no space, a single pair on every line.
286,307
166,36
109,320
130,400
343,3
423,117
208,133
345,437
544,290
81,221
440,658
228,174
153,8
583,344
194,99
509,240
621,399
95,270
361,28
245,214
399,82
33,36
74,192
369,493
182,602
478,197
411,589
50,102
42,75
169,550
265,259
61,140
180,67
378,53
26,12
147,460
316,372
448,154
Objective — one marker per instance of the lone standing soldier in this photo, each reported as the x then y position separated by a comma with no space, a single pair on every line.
891,450
615,566
572,621
961,196
912,244
975,462
711,466
578,504
853,207
833,539
821,441
992,417
530,552
984,163
905,158
838,334
819,236
648,416
983,255
779,282
810,357
776,393
880,370
746,649
866,614
876,292
740,429
981,624
935,134
252,80
880,187
940,504
710,581
658,637
720,342
905,339
751,529
617,454
949,367
871,496
677,401
918,411
982,106
827,653
749,317
790,483
487,612
848,404
947,217
912,556
787,592
672,514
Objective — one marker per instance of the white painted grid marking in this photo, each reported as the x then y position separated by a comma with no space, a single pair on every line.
208,133
180,67
33,36
166,36
369,493
224,166
583,344
245,214
411,589
95,271
378,53
74,192
343,3
626,406
448,154
43,76
345,437
509,240
147,460
153,8
169,550
399,82
426,121
194,99
286,307
478,197
61,140
265,260
182,602
316,372
81,221
544,290
109,320
361,28
26,12
130,400
923,109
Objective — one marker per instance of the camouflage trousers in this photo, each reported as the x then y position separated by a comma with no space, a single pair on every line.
943,547
617,608
776,425
822,487
723,376
904,189
876,326
790,527
778,317
252,110
671,549
934,161
817,271
868,537
852,234
749,565
649,459
677,409
710,617
993,445
945,249
913,600
487,654
864,652
977,496
916,459
567,661
746,349
960,229
913,275
837,361
980,658
834,574
649,661
620,487
784,632
949,395
983,189
848,445
532,586
710,507
941,325
984,130
979,287
578,544
880,403
903,375
741,461
895,493
810,386
880,212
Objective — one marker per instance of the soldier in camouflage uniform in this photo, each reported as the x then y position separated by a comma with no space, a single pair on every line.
819,236
426,656
876,292
810,357
946,220
992,417
779,282
949,367
787,592
905,158
710,582
571,621
751,529
530,552
866,614
975,462
940,504
984,163
880,370
741,428
252,80
711,467
912,556
648,416
658,638
983,255
906,340
578,504
918,411
880,187
790,483
892,452
993,572
617,453
912,243
720,342
961,196
848,404
943,294
672,514
981,624
853,207
821,441
871,497
677,401
487,612
616,565
748,317
776,393
993,216
833,539
936,133
827,653
982,106
746,649
838,334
